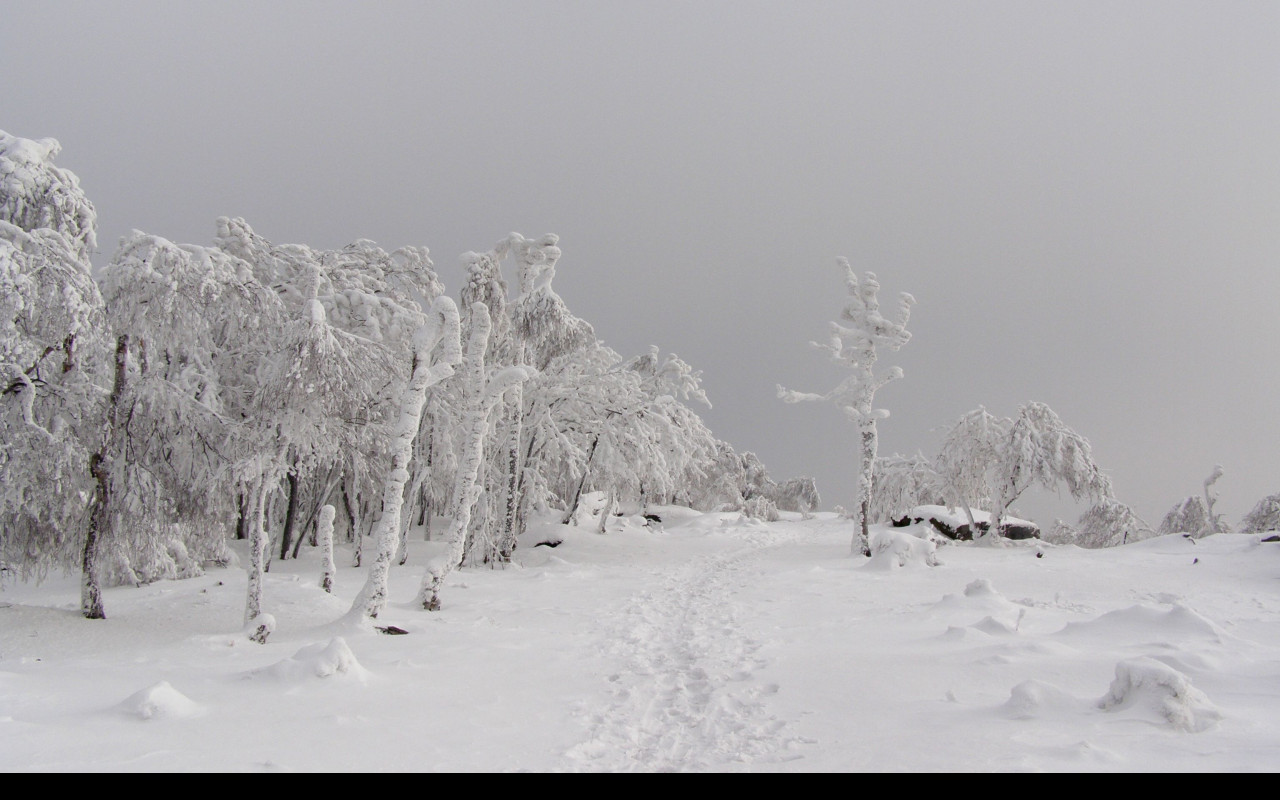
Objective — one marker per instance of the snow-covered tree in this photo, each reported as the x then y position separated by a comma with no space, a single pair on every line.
425,371
1188,517
543,322
192,325
902,483
1265,516
855,346
324,538
485,392
1109,524
799,495
1041,450
1194,515
333,438
35,194
52,344
1216,523
968,456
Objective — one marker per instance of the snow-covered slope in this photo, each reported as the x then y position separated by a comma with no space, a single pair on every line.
708,643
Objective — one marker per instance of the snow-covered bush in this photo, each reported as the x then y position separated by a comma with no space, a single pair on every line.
761,508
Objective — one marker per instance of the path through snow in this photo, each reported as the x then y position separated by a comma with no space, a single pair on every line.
687,696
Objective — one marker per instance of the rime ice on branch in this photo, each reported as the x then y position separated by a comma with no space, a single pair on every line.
854,346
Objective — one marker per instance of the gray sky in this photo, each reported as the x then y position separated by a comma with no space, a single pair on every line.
1083,197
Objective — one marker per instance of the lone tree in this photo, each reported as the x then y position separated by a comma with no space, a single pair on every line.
854,346
1194,516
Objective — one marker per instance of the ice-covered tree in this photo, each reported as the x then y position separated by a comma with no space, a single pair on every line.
35,194
51,316
1216,524
544,324
192,325
902,483
1109,524
855,343
968,456
799,495
370,299
1041,450
436,350
53,343
1265,516
1194,515
485,391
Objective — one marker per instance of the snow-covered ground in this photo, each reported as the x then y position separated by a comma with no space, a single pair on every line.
715,643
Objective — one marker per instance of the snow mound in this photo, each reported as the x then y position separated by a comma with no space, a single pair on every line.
1142,623
1150,687
980,595
995,627
1032,699
160,701
317,661
672,515
892,549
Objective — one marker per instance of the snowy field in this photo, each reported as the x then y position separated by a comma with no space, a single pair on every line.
713,644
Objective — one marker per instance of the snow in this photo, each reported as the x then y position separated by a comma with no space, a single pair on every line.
710,643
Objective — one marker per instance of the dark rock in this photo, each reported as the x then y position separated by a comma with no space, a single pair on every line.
390,630
549,543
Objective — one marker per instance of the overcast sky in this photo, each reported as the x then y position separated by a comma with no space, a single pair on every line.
1084,198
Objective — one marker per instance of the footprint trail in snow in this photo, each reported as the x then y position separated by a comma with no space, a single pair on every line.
687,697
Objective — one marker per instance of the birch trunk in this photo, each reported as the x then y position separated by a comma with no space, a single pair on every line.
373,597
507,541
100,468
466,487
324,537
257,554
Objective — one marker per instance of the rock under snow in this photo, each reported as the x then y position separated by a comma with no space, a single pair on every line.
954,525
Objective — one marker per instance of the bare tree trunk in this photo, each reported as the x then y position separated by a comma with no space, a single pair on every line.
357,544
331,484
291,511
577,494
242,522
100,467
